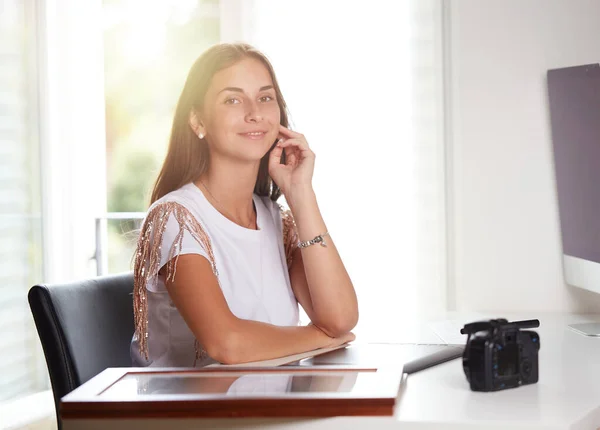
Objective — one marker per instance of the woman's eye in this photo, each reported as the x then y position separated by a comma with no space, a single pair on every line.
263,99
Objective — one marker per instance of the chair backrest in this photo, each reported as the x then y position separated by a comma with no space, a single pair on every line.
84,327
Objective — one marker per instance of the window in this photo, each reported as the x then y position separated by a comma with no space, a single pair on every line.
363,81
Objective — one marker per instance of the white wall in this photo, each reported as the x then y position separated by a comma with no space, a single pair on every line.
506,243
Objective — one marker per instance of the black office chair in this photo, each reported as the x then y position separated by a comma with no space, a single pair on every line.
84,327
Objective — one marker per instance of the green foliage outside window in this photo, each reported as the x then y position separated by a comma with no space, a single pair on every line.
149,48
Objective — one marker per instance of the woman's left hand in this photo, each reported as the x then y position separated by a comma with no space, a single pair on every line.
298,169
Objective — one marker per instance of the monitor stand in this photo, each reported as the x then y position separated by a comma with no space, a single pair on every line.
587,329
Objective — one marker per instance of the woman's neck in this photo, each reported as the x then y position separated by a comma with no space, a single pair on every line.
230,189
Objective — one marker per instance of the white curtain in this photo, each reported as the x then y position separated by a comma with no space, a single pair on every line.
52,176
20,202
363,81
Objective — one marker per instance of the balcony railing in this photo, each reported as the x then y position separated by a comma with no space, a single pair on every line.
100,254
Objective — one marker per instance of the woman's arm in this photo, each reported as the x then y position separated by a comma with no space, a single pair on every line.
197,295
317,274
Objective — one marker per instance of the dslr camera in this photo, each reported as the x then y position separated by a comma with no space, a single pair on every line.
498,355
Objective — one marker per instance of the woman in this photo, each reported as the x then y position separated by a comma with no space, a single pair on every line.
220,267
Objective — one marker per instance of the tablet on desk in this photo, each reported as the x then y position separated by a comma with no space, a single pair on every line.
414,357
260,392
281,361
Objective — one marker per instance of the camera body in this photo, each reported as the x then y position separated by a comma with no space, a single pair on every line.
500,355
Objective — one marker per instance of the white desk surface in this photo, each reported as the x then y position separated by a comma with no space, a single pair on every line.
567,395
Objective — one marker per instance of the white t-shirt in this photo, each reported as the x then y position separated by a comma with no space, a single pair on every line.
252,273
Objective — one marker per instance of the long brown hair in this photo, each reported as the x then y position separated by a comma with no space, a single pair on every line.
187,156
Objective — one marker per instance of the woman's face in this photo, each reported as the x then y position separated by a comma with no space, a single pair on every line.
241,115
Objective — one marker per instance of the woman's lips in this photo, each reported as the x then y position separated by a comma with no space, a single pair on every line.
254,135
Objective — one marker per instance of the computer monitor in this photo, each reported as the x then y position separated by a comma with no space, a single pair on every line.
574,96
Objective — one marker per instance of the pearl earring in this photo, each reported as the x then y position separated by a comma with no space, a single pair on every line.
200,135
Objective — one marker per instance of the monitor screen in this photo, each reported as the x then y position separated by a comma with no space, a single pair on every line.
574,96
